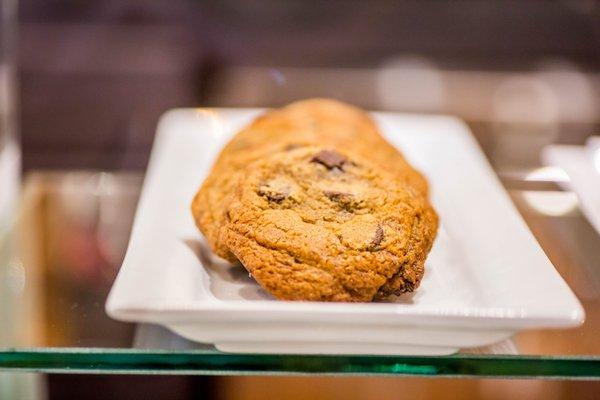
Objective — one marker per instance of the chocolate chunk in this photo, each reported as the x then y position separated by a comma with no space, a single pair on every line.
272,194
330,159
378,237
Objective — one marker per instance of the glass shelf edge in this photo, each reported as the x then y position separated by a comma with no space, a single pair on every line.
209,362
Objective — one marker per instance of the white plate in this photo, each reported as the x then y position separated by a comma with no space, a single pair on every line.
486,276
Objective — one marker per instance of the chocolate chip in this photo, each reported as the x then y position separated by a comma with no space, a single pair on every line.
272,194
378,237
330,159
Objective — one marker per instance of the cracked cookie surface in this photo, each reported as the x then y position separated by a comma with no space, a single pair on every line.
315,223
309,122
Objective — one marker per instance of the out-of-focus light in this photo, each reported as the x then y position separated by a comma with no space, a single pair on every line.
548,174
410,83
522,99
573,90
16,276
553,204
104,184
277,76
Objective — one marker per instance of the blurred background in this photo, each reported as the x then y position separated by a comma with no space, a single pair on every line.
96,75
83,84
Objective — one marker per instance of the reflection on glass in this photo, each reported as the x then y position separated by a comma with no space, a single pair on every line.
9,151
9,163
73,232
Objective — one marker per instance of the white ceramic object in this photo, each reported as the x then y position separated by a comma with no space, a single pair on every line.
582,165
485,279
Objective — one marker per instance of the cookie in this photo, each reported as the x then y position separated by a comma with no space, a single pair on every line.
315,223
309,122
317,122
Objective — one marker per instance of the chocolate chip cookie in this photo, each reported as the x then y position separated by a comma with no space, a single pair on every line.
309,122
317,223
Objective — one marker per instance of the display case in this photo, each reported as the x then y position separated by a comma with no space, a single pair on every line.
92,83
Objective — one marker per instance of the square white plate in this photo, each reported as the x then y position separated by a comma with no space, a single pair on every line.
486,276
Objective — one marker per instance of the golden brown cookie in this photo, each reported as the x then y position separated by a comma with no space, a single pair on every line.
315,223
308,122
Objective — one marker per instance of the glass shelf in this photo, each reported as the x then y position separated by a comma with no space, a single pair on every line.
213,362
69,238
